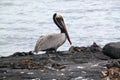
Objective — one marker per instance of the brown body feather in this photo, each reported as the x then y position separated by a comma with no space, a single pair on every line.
52,41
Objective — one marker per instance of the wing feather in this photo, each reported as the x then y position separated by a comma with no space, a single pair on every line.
50,41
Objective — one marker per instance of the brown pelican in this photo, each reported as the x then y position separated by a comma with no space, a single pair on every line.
53,41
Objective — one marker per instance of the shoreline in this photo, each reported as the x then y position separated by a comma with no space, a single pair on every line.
77,63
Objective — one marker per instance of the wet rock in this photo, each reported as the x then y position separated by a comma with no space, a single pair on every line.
113,70
58,66
112,50
77,63
113,63
95,48
17,54
27,64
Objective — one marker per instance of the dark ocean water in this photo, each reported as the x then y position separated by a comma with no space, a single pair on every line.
88,21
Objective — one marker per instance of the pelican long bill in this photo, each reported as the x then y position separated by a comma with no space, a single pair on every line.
62,26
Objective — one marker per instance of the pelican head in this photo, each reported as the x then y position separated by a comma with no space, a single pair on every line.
59,21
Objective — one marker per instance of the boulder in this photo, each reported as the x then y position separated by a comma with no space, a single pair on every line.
112,50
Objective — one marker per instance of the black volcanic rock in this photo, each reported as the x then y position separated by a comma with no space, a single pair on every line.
95,48
17,54
77,63
113,63
112,50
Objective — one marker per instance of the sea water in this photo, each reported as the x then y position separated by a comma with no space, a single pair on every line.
22,22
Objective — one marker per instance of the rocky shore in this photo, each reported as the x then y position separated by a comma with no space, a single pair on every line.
78,63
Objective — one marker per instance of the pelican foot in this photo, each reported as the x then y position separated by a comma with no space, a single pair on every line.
54,55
